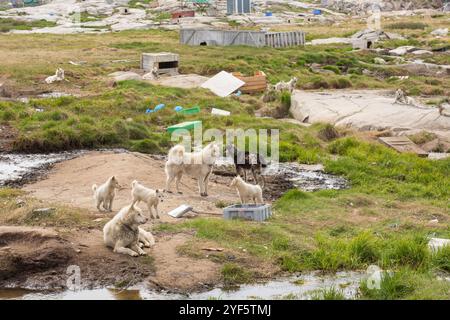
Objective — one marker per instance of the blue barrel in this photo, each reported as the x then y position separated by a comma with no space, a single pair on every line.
317,12
268,13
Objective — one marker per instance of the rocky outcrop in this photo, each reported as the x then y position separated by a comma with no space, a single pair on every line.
357,6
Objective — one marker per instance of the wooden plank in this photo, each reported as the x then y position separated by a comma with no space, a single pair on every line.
403,145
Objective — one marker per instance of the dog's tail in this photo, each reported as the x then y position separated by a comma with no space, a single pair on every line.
94,187
176,154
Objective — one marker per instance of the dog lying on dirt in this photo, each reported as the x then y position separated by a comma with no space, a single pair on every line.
105,193
123,234
196,164
247,192
149,196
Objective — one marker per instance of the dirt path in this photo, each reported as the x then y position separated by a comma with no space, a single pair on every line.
70,183
181,273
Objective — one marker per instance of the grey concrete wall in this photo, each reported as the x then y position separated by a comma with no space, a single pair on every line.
222,37
196,37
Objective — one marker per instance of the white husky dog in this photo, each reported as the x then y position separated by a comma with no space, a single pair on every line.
196,164
149,196
122,233
105,193
58,76
247,192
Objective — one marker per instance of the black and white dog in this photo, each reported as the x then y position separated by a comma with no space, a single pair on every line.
244,160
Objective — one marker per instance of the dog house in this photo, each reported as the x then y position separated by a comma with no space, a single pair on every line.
362,44
160,63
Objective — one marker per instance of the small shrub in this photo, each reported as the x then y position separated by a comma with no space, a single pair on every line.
408,25
392,286
332,68
407,251
147,146
328,294
328,132
341,146
364,249
233,274
422,137
441,259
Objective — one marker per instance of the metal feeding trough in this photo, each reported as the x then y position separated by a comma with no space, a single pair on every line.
256,212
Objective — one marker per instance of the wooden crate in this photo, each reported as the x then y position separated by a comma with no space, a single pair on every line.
253,84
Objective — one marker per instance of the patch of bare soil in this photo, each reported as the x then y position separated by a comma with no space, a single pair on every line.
39,258
7,136
24,251
181,273
70,183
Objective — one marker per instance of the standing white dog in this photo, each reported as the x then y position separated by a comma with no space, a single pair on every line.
105,193
247,191
149,196
122,233
196,164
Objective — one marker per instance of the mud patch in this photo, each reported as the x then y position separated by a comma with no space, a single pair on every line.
306,179
38,259
181,273
25,251
19,169
7,136
281,177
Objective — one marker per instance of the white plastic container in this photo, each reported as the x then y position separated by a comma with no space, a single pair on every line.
220,112
180,211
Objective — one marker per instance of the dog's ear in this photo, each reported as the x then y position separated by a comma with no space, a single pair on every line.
113,178
157,191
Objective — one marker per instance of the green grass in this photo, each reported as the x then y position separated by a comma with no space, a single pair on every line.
328,294
8,24
234,274
407,25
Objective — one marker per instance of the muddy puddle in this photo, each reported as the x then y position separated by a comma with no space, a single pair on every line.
18,169
306,178
284,176
305,286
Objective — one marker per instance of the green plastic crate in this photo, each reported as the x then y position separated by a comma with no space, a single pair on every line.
188,125
193,110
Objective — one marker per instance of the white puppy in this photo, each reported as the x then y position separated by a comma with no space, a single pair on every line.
196,164
286,86
149,196
105,193
247,191
122,233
